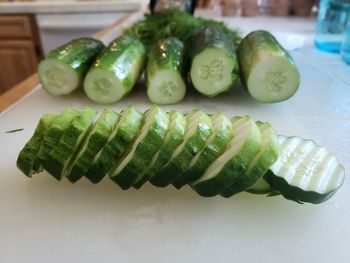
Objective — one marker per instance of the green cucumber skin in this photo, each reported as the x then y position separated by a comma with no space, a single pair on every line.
27,155
115,148
58,159
144,151
95,143
176,167
166,150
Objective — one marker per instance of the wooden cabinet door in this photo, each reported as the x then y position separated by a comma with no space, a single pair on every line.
18,60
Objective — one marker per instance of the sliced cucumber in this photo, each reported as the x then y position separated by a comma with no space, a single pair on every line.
143,149
124,133
215,146
63,69
305,172
198,131
59,158
173,138
116,70
27,156
234,161
164,81
260,187
93,143
268,155
268,72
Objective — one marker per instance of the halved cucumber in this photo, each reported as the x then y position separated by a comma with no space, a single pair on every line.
305,172
215,146
93,143
143,149
173,138
27,156
234,161
198,130
124,133
261,163
59,158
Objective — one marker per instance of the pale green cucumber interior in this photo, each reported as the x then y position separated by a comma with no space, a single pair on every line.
166,87
211,71
260,187
102,86
273,79
57,78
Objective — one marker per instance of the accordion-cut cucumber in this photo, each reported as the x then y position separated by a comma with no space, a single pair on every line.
173,138
164,71
305,172
149,140
268,72
63,68
268,155
59,158
27,155
198,130
116,70
124,133
214,65
215,146
53,136
234,161
93,143
260,187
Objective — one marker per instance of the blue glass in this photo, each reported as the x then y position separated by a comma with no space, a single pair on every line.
345,47
331,21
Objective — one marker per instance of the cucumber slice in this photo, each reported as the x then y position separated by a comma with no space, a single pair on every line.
143,149
27,156
63,69
173,138
260,187
93,143
268,72
268,155
116,70
59,158
198,131
305,171
164,70
124,133
234,161
215,146
53,136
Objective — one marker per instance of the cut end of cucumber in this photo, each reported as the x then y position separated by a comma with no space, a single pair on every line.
103,86
211,71
57,78
273,79
166,87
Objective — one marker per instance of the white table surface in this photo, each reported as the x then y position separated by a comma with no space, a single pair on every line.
42,220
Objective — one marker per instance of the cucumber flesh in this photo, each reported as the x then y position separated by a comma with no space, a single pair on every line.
260,187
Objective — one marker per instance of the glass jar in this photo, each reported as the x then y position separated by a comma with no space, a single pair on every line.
345,47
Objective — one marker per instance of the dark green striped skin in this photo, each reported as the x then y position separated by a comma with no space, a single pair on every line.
96,141
126,132
27,155
60,156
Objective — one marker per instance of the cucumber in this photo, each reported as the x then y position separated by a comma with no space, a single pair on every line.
164,72
268,155
116,70
60,156
93,143
64,68
215,146
123,135
173,138
149,140
234,161
214,65
198,130
261,187
27,156
305,171
268,72
53,136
